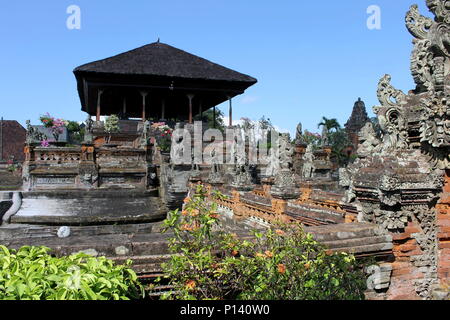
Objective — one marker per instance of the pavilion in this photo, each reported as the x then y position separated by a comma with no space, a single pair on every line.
157,81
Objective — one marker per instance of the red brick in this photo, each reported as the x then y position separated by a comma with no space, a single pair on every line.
412,229
13,140
444,245
400,236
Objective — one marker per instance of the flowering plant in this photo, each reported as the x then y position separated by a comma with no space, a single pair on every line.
281,263
47,120
312,138
45,143
56,125
163,135
58,128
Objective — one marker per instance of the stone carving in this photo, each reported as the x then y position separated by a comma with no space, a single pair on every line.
308,164
284,185
88,136
273,165
145,136
391,116
368,142
215,176
242,179
325,141
397,181
299,135
177,150
441,10
88,174
417,24
33,135
286,151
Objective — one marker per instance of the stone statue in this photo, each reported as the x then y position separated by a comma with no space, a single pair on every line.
299,134
177,150
88,137
284,186
33,135
308,164
286,151
30,131
215,176
368,141
242,179
325,138
273,164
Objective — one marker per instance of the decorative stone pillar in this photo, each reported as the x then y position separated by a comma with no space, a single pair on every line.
87,169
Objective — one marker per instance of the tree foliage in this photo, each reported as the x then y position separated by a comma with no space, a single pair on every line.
208,116
329,124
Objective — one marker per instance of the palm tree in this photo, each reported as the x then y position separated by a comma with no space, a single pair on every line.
329,124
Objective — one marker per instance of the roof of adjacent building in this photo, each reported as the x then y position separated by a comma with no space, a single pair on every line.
12,140
160,59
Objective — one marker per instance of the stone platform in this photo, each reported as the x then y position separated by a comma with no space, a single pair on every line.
93,207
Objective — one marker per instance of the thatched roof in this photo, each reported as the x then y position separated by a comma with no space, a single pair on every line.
159,59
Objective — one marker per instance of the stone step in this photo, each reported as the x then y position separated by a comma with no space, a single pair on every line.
359,242
380,248
337,232
79,207
22,231
111,245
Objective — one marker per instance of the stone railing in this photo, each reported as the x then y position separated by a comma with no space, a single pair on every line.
56,155
86,167
259,205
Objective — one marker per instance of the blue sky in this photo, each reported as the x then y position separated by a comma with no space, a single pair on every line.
311,58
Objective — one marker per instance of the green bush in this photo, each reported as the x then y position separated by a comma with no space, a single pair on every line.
284,263
30,273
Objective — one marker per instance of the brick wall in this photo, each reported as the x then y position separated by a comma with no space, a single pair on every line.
12,140
443,223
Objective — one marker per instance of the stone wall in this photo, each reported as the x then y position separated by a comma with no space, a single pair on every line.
443,224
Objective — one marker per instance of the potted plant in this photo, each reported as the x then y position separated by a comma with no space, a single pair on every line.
163,136
47,120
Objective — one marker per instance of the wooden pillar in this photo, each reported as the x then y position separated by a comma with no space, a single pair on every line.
163,109
124,108
99,97
144,95
230,114
190,97
200,110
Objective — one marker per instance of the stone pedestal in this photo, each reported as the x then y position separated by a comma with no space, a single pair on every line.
284,186
299,151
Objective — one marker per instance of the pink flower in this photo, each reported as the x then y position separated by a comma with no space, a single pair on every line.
44,143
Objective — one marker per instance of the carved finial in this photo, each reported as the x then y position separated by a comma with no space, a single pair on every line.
158,40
